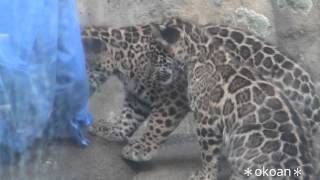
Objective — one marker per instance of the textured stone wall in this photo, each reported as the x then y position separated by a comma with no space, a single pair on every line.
129,12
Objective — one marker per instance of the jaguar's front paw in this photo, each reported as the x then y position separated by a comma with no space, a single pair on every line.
201,175
108,131
139,151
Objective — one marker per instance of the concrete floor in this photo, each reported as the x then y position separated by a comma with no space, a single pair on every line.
63,160
102,161
296,34
66,161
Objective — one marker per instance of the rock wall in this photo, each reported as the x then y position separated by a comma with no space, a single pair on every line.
117,13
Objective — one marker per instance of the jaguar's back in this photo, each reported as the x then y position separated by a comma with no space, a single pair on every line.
273,66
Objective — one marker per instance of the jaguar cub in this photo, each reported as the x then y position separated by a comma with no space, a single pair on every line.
131,54
245,99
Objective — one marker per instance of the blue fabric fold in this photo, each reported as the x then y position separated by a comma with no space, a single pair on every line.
43,83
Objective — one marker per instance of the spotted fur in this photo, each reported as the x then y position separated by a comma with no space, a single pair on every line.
247,97
131,54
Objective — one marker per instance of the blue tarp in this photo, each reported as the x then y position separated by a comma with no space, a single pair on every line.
43,82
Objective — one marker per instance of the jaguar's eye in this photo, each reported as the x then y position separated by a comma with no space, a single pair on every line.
164,76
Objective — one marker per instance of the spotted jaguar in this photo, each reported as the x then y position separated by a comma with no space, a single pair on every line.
144,69
248,99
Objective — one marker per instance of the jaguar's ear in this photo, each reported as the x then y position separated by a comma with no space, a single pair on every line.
168,34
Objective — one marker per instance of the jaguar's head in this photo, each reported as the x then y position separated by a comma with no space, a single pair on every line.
163,67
